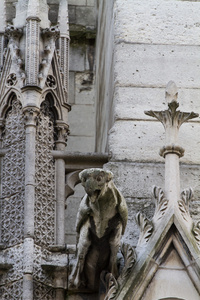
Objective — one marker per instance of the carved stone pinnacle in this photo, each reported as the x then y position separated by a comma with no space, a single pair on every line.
171,92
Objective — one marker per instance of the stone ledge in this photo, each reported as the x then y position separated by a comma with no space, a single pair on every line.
80,160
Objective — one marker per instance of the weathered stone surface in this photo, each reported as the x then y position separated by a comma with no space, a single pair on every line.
81,94
71,87
81,143
72,14
84,93
77,59
141,141
135,180
90,2
86,16
85,115
158,22
155,65
77,2
131,102
129,141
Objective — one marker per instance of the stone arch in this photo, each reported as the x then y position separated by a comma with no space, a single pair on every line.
55,103
7,101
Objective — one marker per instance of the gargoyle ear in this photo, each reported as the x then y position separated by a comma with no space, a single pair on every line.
81,174
109,176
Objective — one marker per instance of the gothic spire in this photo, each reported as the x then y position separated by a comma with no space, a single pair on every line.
63,20
38,9
2,16
2,29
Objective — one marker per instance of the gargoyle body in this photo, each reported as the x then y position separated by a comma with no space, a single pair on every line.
101,220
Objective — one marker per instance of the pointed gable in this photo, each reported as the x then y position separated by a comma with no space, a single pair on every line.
169,279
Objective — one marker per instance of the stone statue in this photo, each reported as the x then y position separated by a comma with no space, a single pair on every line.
101,220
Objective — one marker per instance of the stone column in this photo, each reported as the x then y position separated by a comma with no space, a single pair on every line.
30,125
62,129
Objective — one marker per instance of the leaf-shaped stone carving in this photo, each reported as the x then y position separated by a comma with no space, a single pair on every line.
161,203
183,204
146,228
196,232
129,260
111,285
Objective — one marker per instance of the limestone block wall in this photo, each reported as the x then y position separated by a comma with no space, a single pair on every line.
82,18
154,42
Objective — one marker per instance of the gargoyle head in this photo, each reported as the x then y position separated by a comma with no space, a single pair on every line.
94,181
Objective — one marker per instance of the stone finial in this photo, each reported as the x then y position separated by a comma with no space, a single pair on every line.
171,92
63,19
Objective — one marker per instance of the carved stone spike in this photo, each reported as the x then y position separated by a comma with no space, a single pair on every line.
171,117
171,92
101,220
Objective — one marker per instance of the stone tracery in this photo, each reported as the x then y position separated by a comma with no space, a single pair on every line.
45,173
13,175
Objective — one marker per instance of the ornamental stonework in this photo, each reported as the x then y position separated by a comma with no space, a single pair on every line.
45,178
13,177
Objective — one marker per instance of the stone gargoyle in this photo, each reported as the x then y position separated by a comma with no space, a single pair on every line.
101,220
